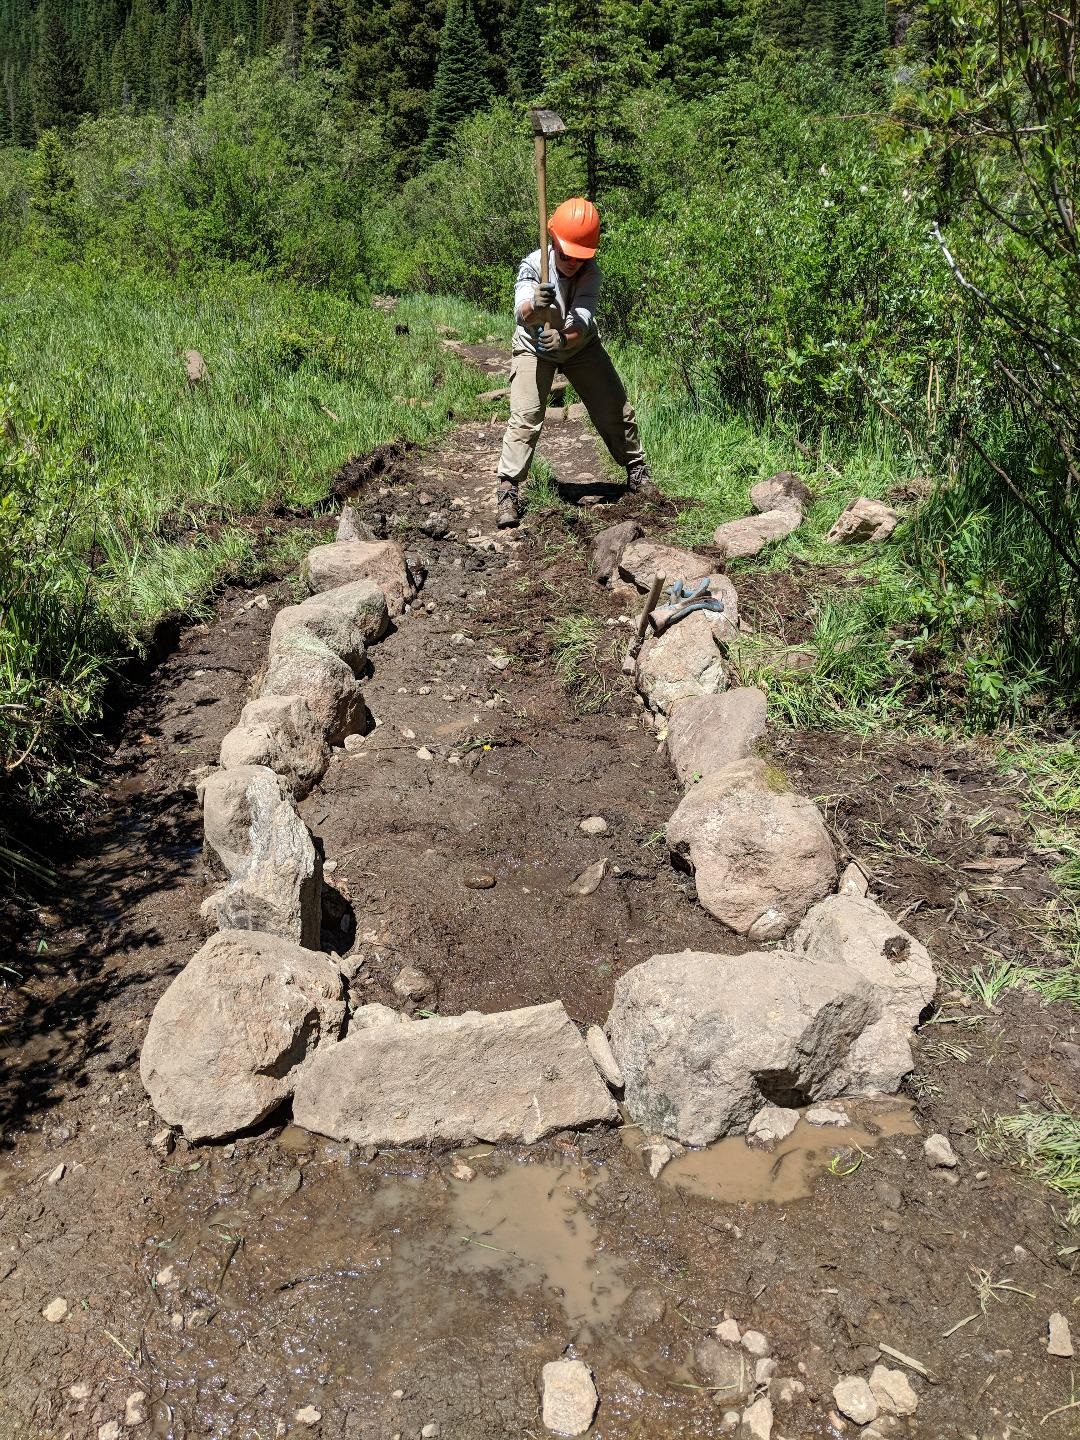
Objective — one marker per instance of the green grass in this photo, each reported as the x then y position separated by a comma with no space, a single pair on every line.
1047,1144
576,641
124,489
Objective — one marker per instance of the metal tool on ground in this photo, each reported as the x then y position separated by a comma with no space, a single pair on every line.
545,125
684,600
633,650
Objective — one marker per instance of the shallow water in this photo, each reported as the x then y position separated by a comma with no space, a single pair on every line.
734,1173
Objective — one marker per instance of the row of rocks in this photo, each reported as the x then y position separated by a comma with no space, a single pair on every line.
259,1016
707,1042
779,506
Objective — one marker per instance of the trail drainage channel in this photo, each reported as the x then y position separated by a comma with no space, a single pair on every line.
286,1283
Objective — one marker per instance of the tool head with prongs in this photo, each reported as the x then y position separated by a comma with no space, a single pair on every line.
546,123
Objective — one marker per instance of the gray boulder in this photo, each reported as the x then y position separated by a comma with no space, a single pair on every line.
347,620
863,520
231,801
684,662
234,1029
280,733
302,664
707,732
705,1041
748,536
274,875
517,1075
383,561
608,546
853,931
782,491
760,854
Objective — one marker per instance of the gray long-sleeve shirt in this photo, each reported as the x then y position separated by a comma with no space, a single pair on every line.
576,300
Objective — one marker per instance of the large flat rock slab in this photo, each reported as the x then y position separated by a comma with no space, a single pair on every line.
761,854
344,561
748,536
229,1036
707,732
517,1075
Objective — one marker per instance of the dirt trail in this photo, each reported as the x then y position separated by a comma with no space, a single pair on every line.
236,1284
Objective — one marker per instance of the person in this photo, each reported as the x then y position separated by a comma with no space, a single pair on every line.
556,330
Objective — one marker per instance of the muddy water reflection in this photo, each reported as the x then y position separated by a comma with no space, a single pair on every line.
733,1172
531,1225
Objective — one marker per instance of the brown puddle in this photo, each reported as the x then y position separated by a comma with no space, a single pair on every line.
530,1225
735,1173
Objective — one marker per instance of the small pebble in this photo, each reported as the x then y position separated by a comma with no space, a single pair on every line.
135,1409
460,1171
166,1276
728,1330
754,1343
55,1176
480,880
55,1311
1060,1342
109,1431
308,1416
429,1431
939,1153
593,825
79,1391
424,753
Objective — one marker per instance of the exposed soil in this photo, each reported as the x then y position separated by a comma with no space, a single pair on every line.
376,1287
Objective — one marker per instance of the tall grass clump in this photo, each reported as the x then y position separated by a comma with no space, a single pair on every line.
123,486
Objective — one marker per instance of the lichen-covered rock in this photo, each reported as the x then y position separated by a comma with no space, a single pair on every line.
760,853
233,1031
347,619
302,664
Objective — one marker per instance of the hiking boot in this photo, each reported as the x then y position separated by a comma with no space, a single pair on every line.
508,507
639,477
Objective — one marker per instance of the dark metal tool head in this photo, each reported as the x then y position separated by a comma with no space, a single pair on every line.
546,123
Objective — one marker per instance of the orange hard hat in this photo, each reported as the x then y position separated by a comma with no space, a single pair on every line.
576,226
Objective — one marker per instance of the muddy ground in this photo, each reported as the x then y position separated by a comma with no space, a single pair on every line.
235,1285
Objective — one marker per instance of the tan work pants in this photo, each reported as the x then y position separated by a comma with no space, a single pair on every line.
595,379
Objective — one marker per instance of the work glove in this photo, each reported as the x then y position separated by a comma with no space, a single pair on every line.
544,296
549,340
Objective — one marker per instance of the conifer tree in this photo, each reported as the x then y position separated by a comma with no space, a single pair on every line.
56,75
461,82
594,61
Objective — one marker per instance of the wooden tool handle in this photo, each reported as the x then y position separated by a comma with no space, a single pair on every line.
658,583
541,196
